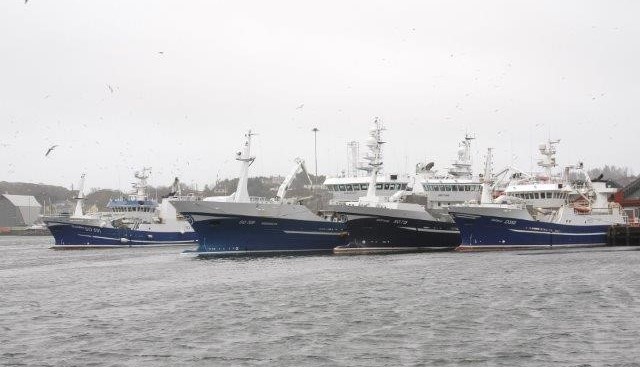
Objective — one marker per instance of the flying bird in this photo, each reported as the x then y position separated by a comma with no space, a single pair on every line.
110,89
50,150
300,107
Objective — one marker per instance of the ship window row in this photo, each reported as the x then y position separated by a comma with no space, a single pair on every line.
364,186
430,187
133,209
541,195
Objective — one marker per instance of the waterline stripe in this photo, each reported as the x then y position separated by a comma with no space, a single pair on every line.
429,230
134,241
319,233
559,233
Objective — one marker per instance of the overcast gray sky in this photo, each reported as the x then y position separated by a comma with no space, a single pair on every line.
188,78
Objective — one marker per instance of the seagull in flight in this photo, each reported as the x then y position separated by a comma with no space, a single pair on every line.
110,88
50,150
300,107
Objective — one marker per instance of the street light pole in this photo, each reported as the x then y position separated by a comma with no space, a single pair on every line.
315,152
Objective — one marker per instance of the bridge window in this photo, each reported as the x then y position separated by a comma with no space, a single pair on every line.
536,195
386,186
364,186
379,186
341,188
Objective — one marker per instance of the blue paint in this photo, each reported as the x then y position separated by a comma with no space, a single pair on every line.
496,232
243,234
67,234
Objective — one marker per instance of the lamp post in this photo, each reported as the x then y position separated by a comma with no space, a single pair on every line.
315,152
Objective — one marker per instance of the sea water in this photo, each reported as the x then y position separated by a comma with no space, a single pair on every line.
153,307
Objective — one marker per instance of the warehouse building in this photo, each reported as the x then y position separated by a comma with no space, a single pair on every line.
629,198
18,210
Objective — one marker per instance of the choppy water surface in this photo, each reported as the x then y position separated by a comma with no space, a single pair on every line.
137,307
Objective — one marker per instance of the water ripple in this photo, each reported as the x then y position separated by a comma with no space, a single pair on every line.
150,307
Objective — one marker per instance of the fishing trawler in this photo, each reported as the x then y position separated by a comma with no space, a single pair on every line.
132,221
238,224
400,223
539,214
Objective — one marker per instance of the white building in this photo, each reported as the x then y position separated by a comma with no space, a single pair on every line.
18,210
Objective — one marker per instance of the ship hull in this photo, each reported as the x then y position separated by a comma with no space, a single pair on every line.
379,230
484,232
280,229
228,235
73,235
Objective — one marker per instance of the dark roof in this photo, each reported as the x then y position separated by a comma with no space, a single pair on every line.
632,190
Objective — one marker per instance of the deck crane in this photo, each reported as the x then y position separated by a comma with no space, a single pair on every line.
299,167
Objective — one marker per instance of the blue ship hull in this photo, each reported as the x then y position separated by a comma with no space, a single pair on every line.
220,235
480,232
85,236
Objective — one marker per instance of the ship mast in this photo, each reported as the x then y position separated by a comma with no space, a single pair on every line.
485,196
374,156
462,166
548,160
141,185
242,193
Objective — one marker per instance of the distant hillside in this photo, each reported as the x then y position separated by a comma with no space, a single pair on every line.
44,194
100,198
266,187
621,175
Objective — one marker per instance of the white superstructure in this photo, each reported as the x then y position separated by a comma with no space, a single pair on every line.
544,190
457,185
351,187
